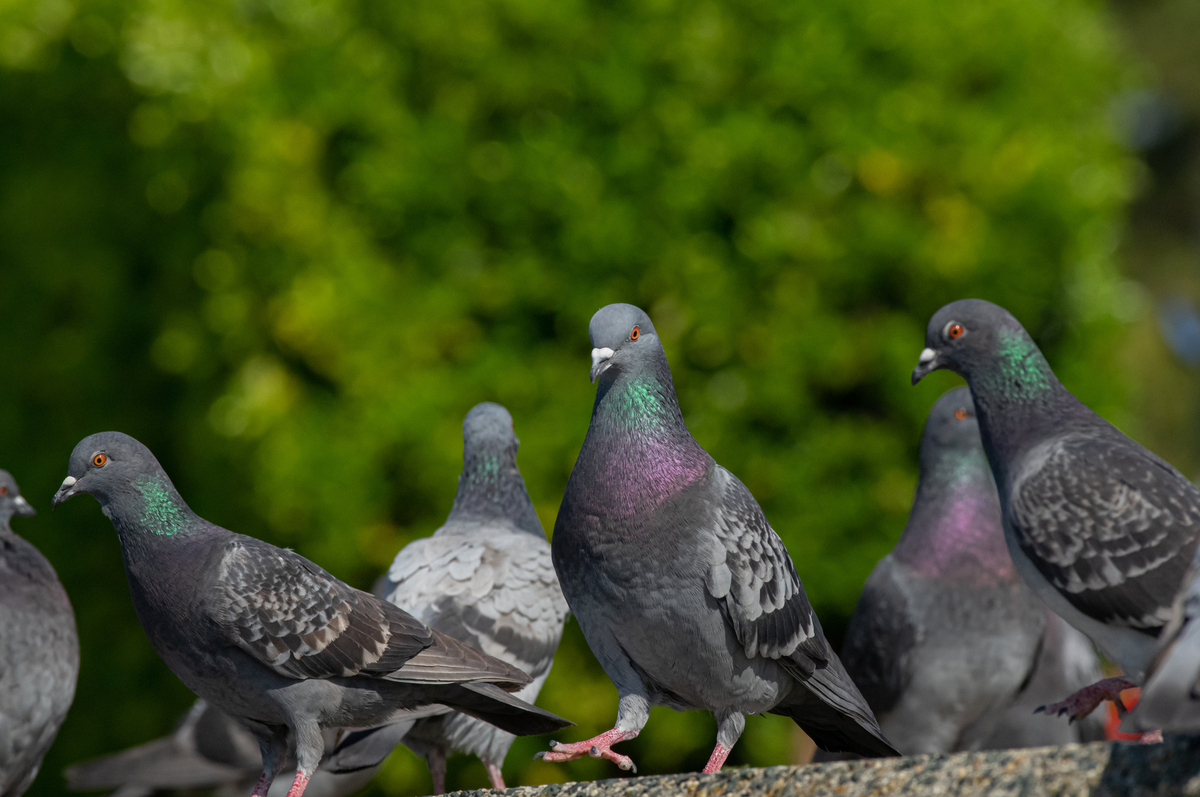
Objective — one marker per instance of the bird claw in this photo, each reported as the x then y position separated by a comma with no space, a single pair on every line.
1084,702
600,747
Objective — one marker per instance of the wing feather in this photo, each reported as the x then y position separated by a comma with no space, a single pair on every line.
302,622
753,578
494,588
1110,525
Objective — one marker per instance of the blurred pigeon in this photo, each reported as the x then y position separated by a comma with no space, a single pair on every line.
1067,663
485,578
1170,699
208,750
39,650
945,633
685,594
1101,529
264,634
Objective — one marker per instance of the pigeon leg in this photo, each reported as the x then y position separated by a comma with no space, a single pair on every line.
264,784
272,745
597,747
729,729
495,777
1084,702
717,759
436,759
298,784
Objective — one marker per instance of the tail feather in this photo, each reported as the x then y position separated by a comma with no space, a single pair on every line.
448,661
508,713
831,710
159,764
367,748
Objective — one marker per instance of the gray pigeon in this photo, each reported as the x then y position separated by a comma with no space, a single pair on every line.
273,640
1170,699
485,578
39,650
1068,663
946,637
208,750
683,590
945,634
1101,529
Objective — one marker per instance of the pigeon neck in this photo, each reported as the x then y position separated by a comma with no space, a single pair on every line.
152,509
1017,398
637,445
491,487
953,532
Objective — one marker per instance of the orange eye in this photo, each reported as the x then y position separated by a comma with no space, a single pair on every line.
3,489
954,331
634,334
961,414
99,460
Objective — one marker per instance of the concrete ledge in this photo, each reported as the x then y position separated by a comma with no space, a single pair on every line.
1101,769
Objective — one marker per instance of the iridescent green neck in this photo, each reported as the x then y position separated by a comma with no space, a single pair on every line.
163,511
1022,372
639,403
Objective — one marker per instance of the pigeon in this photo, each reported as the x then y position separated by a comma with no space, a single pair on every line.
39,650
269,637
1068,662
946,634
1100,528
208,750
682,589
485,578
1170,698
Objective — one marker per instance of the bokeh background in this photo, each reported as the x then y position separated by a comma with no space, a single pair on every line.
289,243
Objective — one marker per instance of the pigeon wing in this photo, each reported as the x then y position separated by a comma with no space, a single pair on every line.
495,590
302,622
755,582
878,639
1110,525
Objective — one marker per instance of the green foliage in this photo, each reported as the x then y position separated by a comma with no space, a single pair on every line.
288,244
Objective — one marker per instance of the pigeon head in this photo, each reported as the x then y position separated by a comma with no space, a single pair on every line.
11,502
127,480
983,343
491,486
622,336
488,428
953,531
952,424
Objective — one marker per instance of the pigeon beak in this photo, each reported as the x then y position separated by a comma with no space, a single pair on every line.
23,507
66,491
928,361
601,360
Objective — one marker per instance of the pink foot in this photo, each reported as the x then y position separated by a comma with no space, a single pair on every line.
598,747
1151,737
717,759
495,777
1084,702
298,784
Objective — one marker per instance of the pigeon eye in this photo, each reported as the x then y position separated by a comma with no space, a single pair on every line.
634,334
961,414
954,330
99,460
3,489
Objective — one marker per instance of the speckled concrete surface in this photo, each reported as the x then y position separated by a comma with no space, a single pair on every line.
1101,770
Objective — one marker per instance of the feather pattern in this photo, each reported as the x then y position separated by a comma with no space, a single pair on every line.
1109,525
302,622
754,579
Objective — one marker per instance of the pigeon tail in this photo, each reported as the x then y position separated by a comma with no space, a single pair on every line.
508,713
829,708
